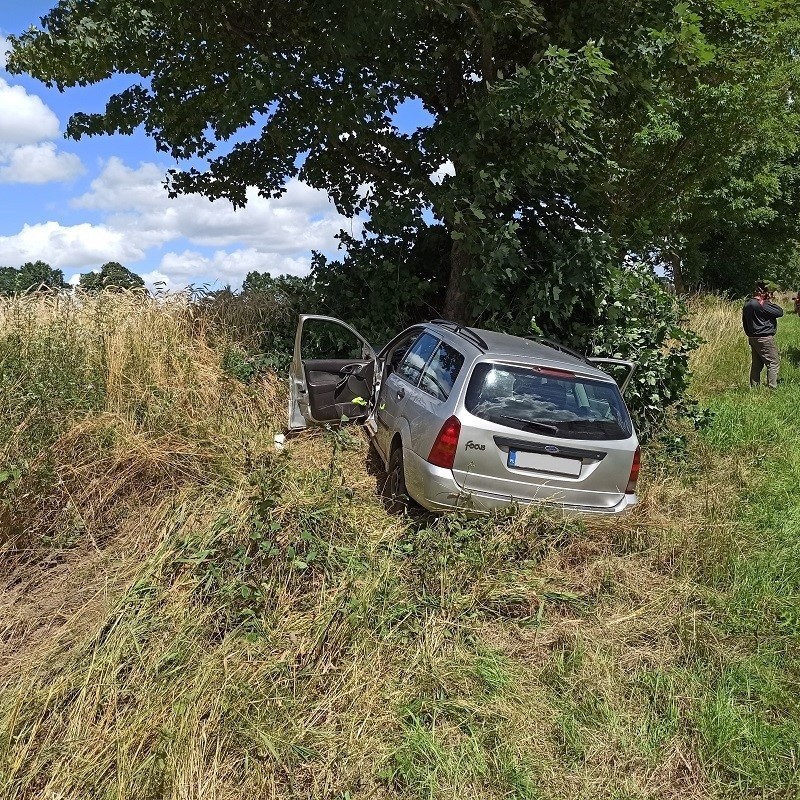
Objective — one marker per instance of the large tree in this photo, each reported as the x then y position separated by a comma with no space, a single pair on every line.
520,97
112,275
32,275
713,156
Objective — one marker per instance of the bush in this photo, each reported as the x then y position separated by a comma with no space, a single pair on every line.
262,319
615,312
639,320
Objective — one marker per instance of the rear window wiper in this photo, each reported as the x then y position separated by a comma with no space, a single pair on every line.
542,425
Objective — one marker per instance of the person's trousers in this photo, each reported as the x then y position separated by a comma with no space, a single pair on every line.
764,353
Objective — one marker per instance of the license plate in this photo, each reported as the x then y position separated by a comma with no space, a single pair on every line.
544,463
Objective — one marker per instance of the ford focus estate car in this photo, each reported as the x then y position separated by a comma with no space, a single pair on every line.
471,419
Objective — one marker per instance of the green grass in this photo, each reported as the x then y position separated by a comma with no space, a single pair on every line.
189,614
749,713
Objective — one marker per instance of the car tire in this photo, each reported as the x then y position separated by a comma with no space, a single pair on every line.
395,492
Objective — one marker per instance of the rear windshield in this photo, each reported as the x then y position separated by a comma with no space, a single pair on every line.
549,402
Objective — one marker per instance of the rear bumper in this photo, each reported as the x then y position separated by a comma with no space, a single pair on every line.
436,489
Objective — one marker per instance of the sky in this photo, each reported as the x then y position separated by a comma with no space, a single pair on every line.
79,204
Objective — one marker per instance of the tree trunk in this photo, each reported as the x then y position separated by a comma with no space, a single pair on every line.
677,273
455,302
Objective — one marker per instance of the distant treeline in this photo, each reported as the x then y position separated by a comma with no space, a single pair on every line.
33,275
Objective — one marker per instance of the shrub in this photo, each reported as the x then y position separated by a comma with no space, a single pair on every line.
639,320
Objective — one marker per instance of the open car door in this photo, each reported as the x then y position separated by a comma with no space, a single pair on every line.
333,373
615,366
618,368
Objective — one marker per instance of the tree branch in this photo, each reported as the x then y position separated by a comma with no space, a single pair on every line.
654,183
379,172
488,68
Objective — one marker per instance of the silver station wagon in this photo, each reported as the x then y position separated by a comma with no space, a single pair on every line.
473,420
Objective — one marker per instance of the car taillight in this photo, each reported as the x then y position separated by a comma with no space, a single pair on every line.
637,463
443,452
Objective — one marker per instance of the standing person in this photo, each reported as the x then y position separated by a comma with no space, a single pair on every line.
760,322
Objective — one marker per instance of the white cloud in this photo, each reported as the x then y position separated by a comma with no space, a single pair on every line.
24,118
137,215
273,235
4,50
447,169
302,219
121,188
39,163
27,126
158,280
68,247
178,270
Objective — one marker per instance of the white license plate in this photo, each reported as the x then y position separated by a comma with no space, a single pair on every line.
544,463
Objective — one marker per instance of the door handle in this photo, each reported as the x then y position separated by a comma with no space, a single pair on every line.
401,393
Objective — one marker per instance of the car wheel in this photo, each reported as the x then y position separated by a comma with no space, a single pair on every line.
395,491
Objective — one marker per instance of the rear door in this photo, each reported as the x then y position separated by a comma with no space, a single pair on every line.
392,389
619,369
429,404
332,376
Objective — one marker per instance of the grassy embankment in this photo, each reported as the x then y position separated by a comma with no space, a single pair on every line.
188,614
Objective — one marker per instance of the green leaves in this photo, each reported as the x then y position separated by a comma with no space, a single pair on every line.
9,478
516,92
576,133
112,275
31,276
646,324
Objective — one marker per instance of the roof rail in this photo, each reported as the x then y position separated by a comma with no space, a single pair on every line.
556,346
463,331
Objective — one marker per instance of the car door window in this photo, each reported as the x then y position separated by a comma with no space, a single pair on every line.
441,372
324,339
399,351
416,358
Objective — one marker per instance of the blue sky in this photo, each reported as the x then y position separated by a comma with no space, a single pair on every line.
79,204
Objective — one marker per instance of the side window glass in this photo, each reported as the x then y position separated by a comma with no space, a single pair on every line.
400,350
416,358
442,371
326,340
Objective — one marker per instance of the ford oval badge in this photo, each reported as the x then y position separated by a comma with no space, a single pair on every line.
550,448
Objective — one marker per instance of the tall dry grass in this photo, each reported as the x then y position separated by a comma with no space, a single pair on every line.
721,361
118,397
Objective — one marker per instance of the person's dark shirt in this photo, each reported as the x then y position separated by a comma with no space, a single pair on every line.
759,317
